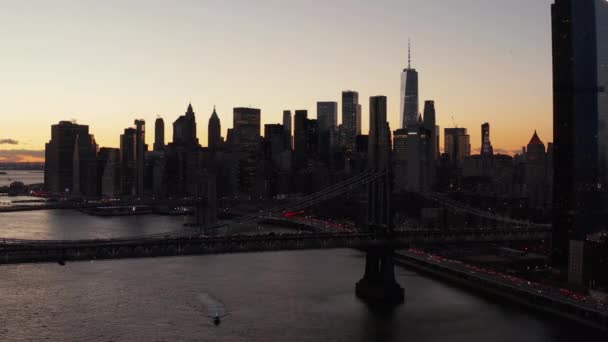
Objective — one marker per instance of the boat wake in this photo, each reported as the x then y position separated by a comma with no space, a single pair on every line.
213,307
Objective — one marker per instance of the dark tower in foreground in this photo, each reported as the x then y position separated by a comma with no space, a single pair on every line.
378,285
214,131
580,122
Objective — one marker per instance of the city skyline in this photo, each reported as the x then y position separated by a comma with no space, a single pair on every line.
479,83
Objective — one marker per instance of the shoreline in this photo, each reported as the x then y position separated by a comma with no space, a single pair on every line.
535,301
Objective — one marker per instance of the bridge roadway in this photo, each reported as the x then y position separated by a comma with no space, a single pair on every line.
31,251
66,205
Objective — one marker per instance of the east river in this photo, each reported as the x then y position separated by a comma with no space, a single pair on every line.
278,296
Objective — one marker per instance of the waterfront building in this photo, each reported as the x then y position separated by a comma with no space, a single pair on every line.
70,140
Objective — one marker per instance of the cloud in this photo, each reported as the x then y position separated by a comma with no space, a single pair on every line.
9,142
21,156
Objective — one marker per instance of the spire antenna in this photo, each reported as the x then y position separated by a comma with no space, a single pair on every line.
409,54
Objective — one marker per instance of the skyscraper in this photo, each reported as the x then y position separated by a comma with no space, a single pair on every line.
486,145
300,138
327,115
327,119
287,126
184,129
351,119
457,144
580,122
214,131
140,155
128,155
159,135
247,142
246,126
59,155
430,125
409,95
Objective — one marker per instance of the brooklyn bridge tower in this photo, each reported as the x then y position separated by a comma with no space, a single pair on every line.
378,285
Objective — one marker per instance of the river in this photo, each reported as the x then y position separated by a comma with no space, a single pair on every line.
277,296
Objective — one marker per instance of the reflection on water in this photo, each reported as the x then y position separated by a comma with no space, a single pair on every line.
213,307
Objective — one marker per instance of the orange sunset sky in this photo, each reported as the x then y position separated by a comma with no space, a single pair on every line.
105,63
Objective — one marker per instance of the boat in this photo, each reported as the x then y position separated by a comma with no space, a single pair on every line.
217,320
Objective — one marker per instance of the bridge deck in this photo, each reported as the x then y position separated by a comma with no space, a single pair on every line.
27,251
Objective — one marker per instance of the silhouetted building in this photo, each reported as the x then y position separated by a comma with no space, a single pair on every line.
300,139
184,128
159,135
538,175
457,144
580,121
274,137
246,142
327,118
287,126
409,97
69,141
183,160
140,156
214,131
413,160
128,158
109,169
486,146
351,119
246,128
430,124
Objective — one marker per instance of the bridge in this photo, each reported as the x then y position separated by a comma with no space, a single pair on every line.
378,238
27,251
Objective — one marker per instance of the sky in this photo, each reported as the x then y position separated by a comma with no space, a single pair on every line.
106,63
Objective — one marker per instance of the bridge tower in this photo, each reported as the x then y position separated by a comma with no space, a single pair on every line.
378,285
